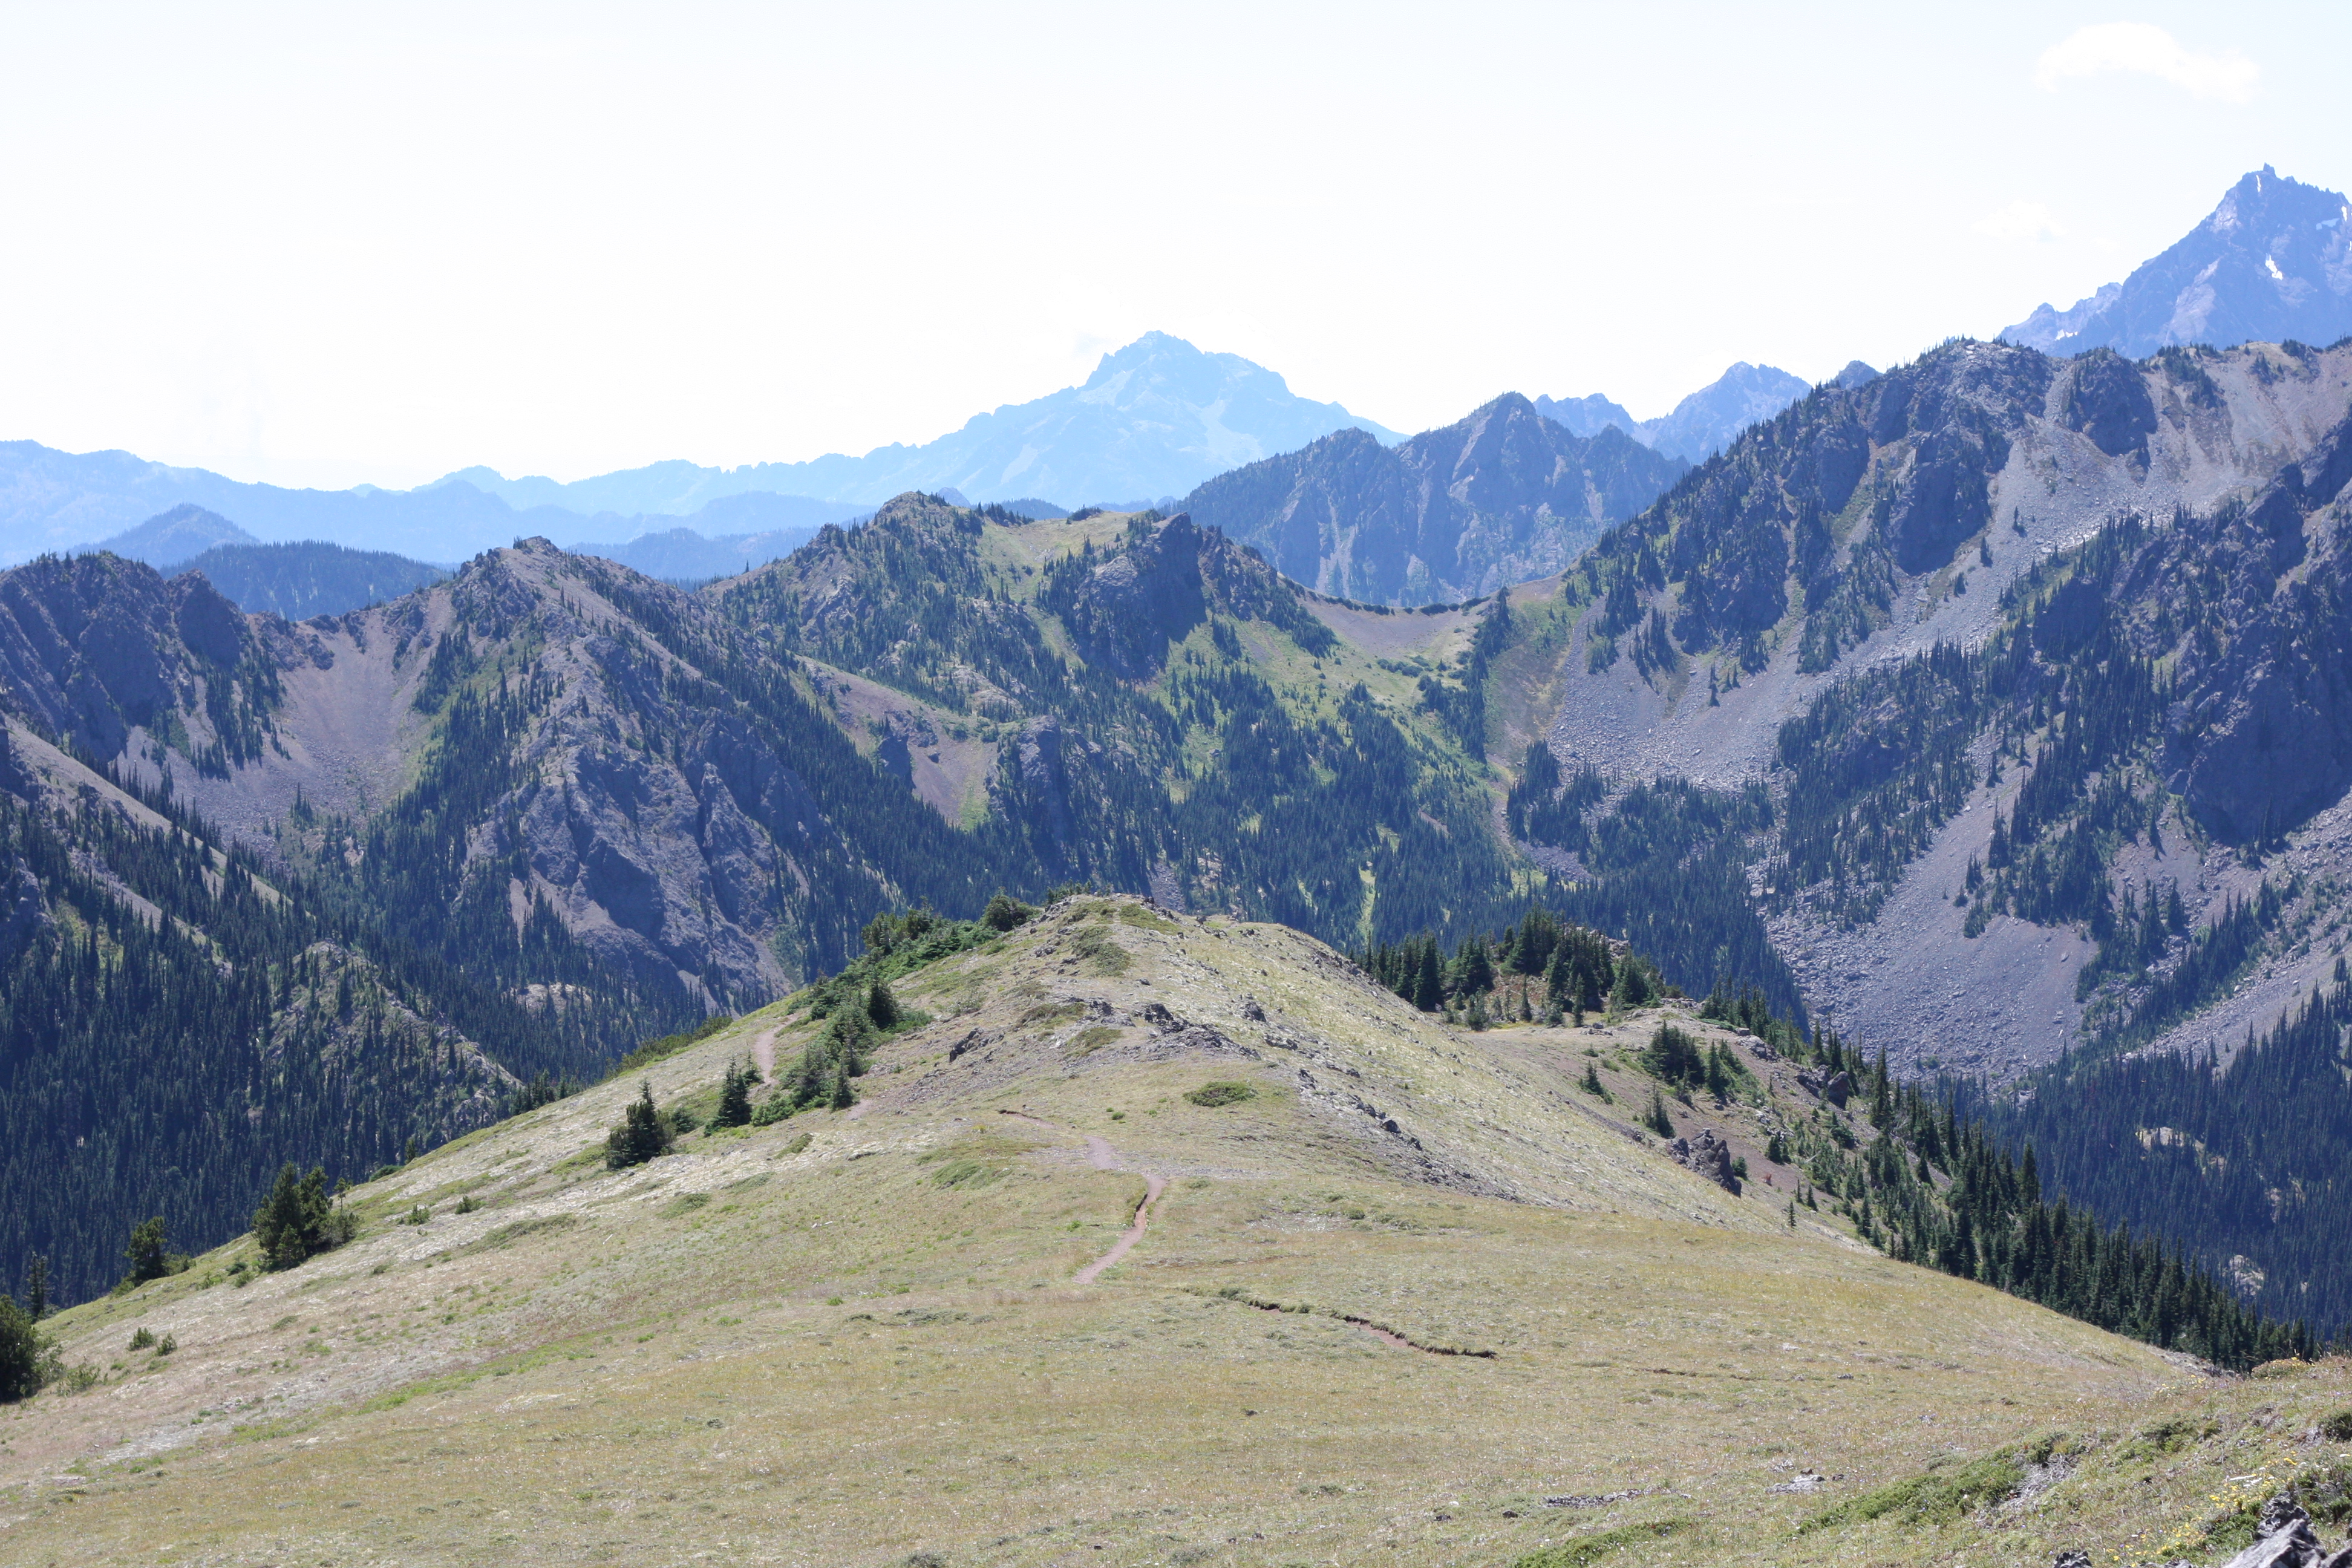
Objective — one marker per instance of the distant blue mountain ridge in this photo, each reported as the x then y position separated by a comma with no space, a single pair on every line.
1701,425
1154,419
1157,419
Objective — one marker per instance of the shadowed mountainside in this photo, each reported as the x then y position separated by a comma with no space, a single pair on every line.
1502,497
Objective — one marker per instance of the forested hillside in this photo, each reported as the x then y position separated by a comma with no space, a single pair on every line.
299,581
176,1022
1165,710
2244,1163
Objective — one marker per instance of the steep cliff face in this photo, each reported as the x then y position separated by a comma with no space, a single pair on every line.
2260,723
1504,496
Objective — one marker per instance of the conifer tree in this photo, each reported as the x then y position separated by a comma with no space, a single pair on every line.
1632,990
298,1220
21,1351
641,1134
1655,1119
1473,968
1428,982
146,1253
735,1097
36,1287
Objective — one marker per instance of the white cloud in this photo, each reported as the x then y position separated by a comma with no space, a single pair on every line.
2019,220
2147,50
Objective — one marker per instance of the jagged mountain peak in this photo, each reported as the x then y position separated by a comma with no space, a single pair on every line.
1171,360
1698,427
2271,262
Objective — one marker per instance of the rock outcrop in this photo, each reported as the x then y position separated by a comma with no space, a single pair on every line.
2284,1539
1705,1154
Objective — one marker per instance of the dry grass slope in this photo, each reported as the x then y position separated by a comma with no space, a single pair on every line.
853,1338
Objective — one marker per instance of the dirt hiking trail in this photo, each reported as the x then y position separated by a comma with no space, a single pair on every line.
1103,1157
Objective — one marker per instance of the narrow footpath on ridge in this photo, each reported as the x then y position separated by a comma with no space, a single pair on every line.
1103,1157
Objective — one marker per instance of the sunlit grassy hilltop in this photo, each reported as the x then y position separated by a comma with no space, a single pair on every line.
859,1337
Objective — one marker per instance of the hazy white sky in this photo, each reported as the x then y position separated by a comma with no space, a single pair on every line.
327,244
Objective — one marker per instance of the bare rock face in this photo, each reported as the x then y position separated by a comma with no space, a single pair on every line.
1126,610
2107,400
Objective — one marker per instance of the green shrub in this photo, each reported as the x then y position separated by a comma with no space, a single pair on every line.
1005,913
1933,1499
1580,1551
1102,955
142,1338
2166,1438
1222,1093
2337,1425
